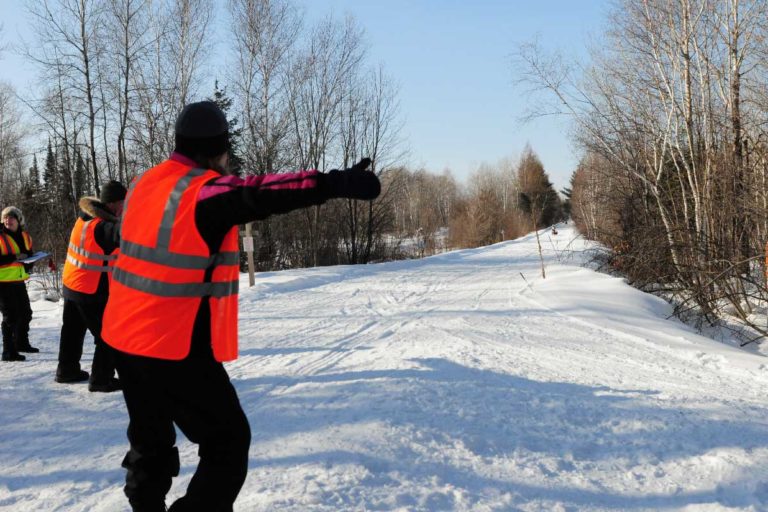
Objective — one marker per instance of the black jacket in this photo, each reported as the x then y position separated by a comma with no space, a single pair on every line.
230,201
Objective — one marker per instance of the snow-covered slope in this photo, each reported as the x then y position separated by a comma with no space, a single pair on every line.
449,383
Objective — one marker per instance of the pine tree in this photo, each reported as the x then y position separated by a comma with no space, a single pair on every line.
80,176
538,197
65,191
567,193
224,102
34,176
30,200
50,175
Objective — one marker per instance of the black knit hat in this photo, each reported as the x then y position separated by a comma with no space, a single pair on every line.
112,191
202,130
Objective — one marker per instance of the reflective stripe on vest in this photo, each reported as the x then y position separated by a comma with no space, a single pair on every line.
164,289
8,245
85,266
14,271
165,269
164,257
161,254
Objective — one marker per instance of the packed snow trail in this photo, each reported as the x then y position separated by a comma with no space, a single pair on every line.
458,382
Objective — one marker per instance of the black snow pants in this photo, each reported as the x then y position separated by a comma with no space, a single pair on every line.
77,318
197,396
17,314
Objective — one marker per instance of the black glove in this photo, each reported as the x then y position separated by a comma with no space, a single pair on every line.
354,182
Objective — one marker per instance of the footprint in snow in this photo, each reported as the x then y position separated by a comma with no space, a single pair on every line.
711,360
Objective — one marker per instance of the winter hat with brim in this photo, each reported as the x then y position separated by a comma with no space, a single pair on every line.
112,191
12,211
202,130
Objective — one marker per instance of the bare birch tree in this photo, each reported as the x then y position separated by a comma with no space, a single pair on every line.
127,26
169,76
265,35
369,126
12,134
673,106
67,35
318,78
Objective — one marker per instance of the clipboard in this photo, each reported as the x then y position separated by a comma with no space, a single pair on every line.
34,257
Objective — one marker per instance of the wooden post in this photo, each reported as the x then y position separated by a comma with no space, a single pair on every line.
248,246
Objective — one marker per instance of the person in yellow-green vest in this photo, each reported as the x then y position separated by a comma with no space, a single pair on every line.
15,245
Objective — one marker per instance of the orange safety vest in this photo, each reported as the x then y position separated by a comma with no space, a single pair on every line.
86,258
13,272
164,270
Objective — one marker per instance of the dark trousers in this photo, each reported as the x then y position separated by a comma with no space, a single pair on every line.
17,313
77,318
197,396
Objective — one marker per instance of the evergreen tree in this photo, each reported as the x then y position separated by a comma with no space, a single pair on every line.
30,200
34,175
50,175
538,197
224,102
567,193
65,192
80,177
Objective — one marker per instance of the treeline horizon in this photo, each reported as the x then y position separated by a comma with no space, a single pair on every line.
114,74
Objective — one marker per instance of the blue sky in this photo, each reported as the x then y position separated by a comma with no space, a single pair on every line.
451,59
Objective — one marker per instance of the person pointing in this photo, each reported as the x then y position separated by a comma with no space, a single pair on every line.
172,309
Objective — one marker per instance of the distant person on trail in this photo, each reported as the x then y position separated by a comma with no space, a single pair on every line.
15,245
92,250
172,309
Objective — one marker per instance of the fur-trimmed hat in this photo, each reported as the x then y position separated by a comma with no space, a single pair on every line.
202,129
112,191
12,211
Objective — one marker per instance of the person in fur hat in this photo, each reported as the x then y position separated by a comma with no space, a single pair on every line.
15,245
93,246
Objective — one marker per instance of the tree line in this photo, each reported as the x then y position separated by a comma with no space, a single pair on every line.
671,116
113,75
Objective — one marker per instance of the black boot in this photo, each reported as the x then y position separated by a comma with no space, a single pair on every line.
71,377
148,479
103,369
183,505
29,349
107,386
10,352
154,507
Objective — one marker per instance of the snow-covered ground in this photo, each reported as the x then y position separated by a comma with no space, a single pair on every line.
449,383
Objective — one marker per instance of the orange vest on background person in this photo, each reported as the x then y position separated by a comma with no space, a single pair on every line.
13,272
85,258
164,270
